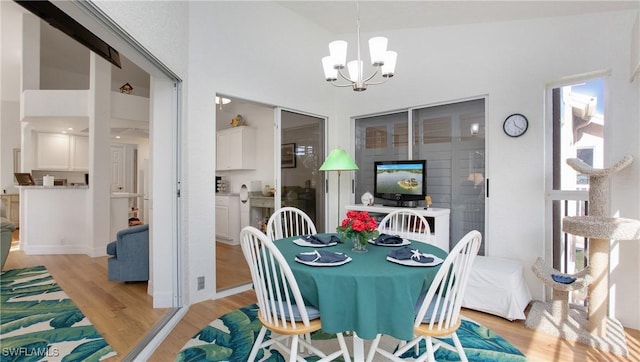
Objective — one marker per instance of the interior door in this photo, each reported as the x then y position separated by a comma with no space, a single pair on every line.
117,168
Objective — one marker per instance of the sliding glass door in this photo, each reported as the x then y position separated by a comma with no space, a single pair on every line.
301,154
451,138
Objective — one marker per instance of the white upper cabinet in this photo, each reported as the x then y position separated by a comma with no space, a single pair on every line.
53,151
236,149
79,152
56,151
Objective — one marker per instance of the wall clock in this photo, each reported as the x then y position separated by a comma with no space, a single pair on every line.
515,125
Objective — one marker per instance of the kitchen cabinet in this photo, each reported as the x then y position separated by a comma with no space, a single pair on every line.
57,151
236,149
228,219
52,151
79,152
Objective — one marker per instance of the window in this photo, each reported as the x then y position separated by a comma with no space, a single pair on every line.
577,132
376,137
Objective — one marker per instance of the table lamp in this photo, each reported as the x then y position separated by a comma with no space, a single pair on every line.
339,160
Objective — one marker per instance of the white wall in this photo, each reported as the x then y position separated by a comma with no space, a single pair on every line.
231,53
161,27
264,53
10,60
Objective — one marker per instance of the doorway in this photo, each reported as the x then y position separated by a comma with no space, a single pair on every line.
293,167
251,122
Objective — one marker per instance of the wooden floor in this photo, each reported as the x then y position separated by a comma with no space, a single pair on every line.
231,267
122,313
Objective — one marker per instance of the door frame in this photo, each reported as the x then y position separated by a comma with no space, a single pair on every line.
277,171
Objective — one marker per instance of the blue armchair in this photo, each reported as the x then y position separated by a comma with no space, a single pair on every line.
130,255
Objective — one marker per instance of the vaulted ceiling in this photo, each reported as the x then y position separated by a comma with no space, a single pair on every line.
339,16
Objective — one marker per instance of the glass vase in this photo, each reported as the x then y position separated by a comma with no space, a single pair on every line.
360,244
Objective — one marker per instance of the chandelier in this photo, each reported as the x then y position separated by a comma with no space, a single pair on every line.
383,61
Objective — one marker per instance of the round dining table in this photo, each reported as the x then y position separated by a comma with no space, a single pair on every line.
369,294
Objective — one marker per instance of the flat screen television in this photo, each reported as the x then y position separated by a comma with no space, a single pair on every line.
400,181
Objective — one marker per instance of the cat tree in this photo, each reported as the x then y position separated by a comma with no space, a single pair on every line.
595,328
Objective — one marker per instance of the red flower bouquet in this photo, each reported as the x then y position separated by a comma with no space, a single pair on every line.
360,227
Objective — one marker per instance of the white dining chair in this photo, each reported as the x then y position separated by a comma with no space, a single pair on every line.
439,308
281,307
406,223
289,221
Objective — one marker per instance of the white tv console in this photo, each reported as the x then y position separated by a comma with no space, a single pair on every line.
440,216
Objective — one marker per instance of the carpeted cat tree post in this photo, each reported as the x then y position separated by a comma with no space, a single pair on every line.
596,328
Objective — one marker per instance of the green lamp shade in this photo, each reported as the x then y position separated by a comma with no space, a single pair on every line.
338,160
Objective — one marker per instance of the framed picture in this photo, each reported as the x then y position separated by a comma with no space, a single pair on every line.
288,155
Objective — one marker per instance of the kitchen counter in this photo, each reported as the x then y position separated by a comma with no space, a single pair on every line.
53,221
124,195
40,187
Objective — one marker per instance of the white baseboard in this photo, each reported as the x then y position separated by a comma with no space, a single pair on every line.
231,291
57,249
163,300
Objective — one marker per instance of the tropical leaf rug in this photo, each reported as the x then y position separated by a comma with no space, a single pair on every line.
38,321
231,337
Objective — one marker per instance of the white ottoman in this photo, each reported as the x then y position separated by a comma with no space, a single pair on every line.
497,286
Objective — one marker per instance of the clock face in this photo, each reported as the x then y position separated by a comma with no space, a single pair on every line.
515,125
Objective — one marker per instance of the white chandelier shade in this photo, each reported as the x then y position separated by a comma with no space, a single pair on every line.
383,61
378,50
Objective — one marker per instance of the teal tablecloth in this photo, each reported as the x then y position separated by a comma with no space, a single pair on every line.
368,295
